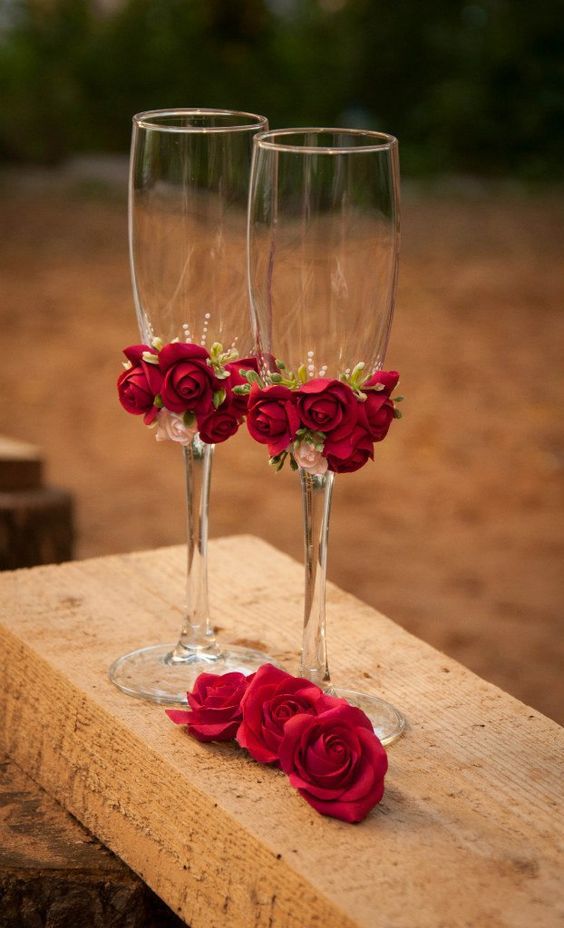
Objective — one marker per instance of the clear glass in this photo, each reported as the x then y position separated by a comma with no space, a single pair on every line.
188,191
323,248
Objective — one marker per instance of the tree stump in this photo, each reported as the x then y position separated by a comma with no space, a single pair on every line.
36,522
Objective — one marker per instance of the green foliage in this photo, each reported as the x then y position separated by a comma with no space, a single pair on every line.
475,87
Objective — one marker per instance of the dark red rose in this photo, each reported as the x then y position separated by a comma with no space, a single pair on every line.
138,386
189,381
273,697
377,412
349,454
272,418
239,401
389,379
219,425
335,761
215,707
327,406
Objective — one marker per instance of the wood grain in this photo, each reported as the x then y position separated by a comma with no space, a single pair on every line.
467,834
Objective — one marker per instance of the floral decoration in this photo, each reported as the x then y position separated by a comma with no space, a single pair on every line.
320,423
182,388
326,747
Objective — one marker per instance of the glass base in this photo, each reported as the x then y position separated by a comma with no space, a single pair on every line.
154,673
387,721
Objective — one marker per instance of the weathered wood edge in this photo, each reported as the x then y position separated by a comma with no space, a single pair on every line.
50,749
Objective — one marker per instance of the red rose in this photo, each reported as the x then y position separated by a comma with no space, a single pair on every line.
239,401
273,697
138,386
189,382
349,454
327,406
388,378
272,418
219,425
377,412
335,761
215,707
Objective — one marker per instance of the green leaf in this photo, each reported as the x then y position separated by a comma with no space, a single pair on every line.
188,419
293,463
302,373
242,390
150,358
397,414
218,398
275,378
158,401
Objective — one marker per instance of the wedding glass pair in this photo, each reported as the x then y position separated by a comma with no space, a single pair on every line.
321,242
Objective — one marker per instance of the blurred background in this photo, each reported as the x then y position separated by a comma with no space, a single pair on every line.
456,530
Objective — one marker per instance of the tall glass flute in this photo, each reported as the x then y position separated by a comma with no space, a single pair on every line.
323,243
188,189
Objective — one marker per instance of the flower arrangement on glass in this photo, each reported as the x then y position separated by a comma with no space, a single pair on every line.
189,180
323,245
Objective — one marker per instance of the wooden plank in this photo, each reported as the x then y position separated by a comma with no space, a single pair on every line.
54,872
467,834
20,465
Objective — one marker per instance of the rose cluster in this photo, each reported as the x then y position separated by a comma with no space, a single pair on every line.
323,424
184,388
325,746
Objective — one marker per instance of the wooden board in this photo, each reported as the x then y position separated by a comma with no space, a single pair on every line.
467,834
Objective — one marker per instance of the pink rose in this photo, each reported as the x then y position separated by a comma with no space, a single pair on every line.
327,406
335,761
138,386
309,458
272,697
272,418
215,707
219,425
170,427
189,382
350,454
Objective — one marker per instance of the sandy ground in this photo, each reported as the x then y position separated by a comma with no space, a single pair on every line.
455,531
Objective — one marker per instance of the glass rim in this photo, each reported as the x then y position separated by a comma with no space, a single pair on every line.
149,119
385,141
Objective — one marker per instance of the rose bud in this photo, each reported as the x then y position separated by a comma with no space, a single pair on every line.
272,697
239,401
272,418
327,406
388,379
189,382
215,707
335,761
138,386
350,454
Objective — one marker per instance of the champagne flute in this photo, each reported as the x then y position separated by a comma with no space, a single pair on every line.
188,188
323,245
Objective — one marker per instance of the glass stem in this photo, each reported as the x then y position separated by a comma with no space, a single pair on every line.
316,497
197,638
